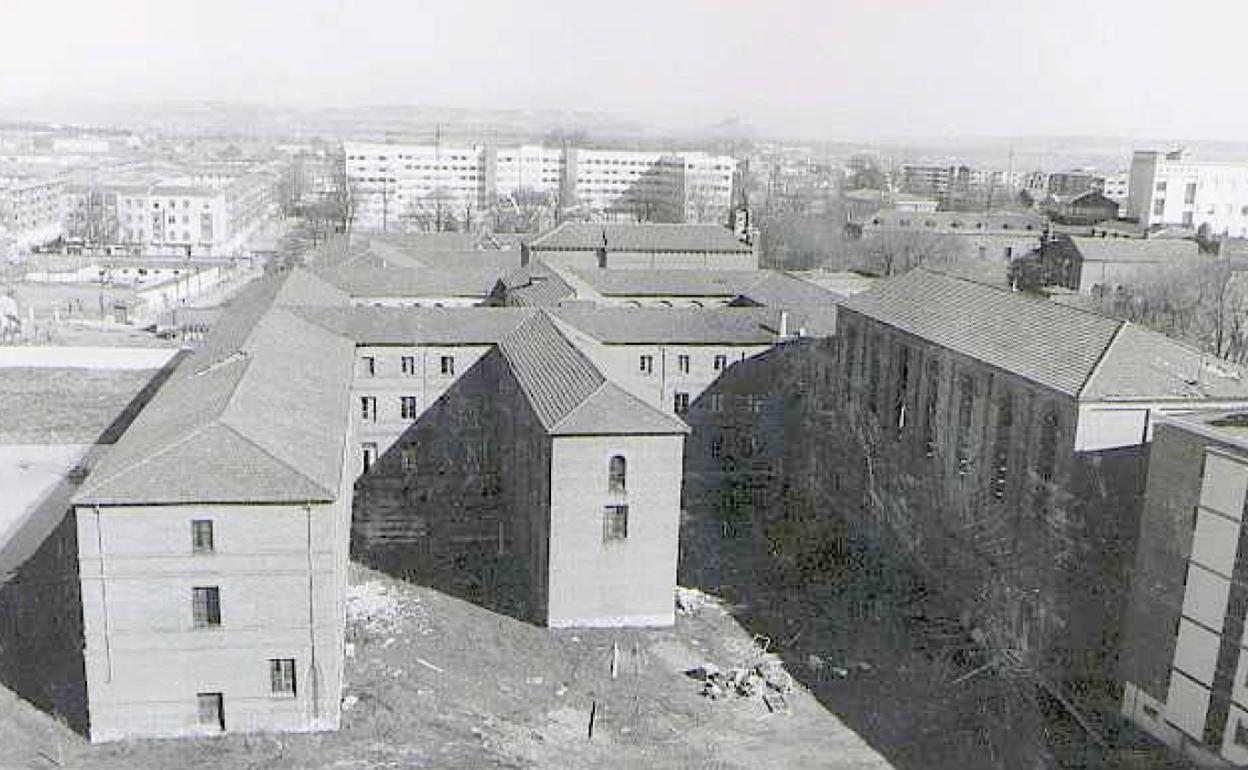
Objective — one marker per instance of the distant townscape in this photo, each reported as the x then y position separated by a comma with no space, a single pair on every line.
740,447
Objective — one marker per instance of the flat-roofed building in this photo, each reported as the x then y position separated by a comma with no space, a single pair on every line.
414,187
1171,189
1183,662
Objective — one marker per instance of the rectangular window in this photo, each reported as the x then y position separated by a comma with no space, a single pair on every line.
282,676
211,710
1189,195
647,364
1159,207
407,365
448,365
206,606
1241,733
721,362
1161,187
901,397
614,523
368,366
717,447
682,364
681,404
201,536
1188,219
408,453
407,407
368,455
717,402
966,403
368,408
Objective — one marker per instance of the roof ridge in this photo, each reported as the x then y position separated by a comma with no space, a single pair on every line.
1100,360
228,425
93,484
1025,295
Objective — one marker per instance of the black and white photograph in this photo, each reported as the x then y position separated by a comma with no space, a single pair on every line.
670,384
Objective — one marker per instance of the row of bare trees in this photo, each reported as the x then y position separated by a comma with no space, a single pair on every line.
1205,306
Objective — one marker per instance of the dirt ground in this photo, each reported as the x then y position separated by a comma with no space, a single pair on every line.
437,682
860,632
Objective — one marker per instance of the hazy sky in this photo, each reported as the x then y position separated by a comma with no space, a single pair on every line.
829,69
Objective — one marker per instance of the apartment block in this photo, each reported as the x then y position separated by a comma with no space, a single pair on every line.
1172,189
184,212
407,187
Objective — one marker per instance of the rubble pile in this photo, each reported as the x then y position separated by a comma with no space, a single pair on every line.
375,609
767,679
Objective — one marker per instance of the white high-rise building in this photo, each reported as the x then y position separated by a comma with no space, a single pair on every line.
1169,189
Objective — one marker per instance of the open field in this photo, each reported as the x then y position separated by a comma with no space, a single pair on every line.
59,405
437,682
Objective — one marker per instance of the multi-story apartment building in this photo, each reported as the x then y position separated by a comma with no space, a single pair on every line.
198,214
30,207
431,187
1171,189
1072,183
1117,186
1184,663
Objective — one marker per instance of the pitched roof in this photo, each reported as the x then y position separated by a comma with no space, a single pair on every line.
588,236
674,283
658,326
958,220
1050,344
1133,249
568,393
265,423
417,326
306,287
366,281
812,307
1081,354
534,285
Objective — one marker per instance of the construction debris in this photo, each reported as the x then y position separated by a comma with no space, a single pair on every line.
690,601
742,682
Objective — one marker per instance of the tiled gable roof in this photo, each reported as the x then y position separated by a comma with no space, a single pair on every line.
659,326
1050,344
554,375
1133,249
371,281
567,391
417,326
533,285
588,236
1079,353
263,423
674,283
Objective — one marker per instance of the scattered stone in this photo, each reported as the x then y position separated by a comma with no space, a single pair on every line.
704,672
349,702
839,672
775,702
864,667
689,601
535,680
563,689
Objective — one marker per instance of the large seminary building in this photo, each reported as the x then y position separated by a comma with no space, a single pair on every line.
327,417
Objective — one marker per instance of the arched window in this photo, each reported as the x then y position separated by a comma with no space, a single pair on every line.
617,473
